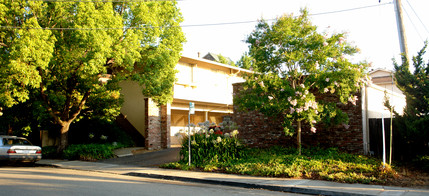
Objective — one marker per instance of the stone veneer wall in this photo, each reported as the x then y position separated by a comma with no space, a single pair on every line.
153,125
258,130
165,125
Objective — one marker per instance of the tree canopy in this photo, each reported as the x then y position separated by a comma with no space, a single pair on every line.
65,51
412,133
415,86
292,62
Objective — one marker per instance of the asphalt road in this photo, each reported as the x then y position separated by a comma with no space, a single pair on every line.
48,181
149,159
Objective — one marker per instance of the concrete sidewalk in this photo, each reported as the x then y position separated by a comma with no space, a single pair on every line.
302,186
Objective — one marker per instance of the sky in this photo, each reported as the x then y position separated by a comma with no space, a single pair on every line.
372,29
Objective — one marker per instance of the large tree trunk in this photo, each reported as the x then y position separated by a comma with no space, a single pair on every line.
64,132
298,135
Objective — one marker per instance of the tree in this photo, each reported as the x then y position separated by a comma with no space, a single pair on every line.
225,60
61,51
412,125
292,62
245,62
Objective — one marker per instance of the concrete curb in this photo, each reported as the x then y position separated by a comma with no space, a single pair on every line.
246,185
312,187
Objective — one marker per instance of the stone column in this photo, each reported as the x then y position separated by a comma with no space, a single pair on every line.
153,125
165,125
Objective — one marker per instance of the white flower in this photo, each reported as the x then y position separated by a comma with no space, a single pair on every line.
234,133
336,84
282,90
299,110
353,100
218,139
302,85
292,110
207,135
325,43
270,97
262,84
314,121
313,129
341,40
211,131
294,102
306,106
313,105
227,135
289,99
317,64
325,90
327,79
306,92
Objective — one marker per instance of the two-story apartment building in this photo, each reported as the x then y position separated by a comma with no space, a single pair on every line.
206,83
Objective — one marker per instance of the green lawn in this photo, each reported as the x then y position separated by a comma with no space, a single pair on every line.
314,163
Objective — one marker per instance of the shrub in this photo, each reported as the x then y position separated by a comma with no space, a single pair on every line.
211,146
49,152
90,152
422,162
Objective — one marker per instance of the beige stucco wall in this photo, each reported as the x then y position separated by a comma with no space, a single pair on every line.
133,107
376,98
205,83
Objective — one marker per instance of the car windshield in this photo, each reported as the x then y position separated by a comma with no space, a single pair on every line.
15,141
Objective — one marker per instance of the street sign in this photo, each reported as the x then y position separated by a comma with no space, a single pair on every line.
191,108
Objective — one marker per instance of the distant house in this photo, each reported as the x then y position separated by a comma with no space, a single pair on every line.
218,58
373,99
383,84
204,82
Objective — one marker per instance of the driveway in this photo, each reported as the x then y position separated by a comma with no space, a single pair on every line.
148,159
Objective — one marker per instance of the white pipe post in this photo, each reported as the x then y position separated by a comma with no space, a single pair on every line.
189,138
384,140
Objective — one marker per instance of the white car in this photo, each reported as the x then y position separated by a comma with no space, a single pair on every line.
13,148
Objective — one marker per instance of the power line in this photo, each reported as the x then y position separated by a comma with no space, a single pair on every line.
417,16
182,26
412,23
351,9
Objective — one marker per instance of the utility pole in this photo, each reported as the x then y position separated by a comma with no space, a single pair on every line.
401,28
404,51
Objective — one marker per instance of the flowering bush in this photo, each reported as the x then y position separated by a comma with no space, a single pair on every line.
210,145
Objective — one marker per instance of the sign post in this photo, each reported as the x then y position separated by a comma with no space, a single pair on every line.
191,111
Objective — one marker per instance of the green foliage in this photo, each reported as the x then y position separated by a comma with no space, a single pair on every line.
414,85
292,61
90,152
88,131
314,163
60,50
210,146
412,133
245,62
422,162
49,152
225,60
